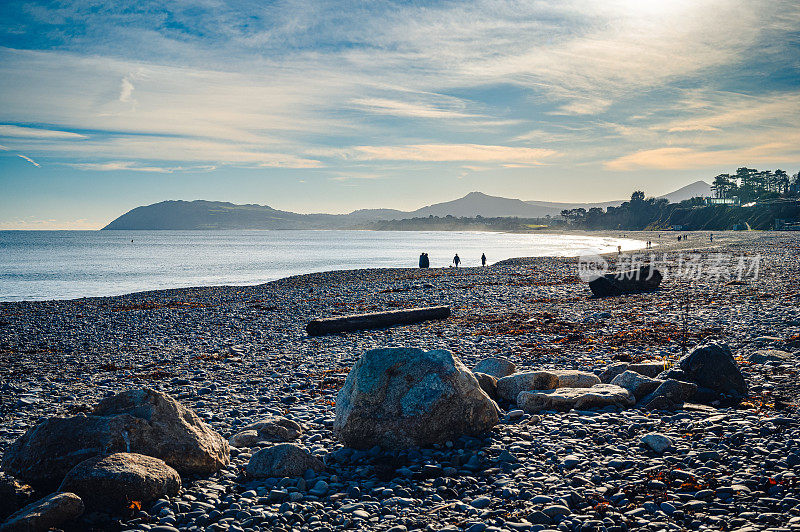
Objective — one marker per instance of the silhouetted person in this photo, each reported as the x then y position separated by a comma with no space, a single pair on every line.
679,238
483,259
426,261
711,236
456,260
619,250
421,260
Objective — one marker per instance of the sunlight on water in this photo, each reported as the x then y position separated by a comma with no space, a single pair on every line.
38,265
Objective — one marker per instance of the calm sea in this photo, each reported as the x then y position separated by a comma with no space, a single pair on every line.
38,265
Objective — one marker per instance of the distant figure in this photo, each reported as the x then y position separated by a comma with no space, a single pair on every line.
456,260
619,250
679,238
711,236
483,259
427,261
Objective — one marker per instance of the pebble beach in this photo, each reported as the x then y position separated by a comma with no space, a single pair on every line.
238,354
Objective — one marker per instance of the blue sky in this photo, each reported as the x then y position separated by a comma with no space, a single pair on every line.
334,106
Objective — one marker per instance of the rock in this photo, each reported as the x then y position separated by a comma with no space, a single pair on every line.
668,395
487,383
649,368
404,397
110,483
570,378
143,421
276,429
508,388
643,279
564,399
45,514
713,366
282,460
770,355
497,367
612,371
246,438
638,384
657,441
13,495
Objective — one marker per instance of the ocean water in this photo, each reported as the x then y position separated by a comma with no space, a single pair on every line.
41,265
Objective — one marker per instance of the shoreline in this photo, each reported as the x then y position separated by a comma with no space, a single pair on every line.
695,242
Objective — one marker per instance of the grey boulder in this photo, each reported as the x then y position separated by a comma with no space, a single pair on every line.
488,384
564,399
282,460
648,368
45,514
508,388
497,367
572,378
639,385
110,483
669,395
612,371
143,421
403,397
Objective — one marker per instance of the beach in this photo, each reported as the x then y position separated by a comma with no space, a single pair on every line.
236,354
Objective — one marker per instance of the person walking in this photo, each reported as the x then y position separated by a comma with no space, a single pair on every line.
456,260
483,259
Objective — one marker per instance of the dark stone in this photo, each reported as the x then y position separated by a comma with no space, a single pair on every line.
712,366
643,279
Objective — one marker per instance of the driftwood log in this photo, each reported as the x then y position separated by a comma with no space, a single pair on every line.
374,320
643,279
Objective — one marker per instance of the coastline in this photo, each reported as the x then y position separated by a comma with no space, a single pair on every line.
238,354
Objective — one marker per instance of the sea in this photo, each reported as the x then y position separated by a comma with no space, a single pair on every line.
44,265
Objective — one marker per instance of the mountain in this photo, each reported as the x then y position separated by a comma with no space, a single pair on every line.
698,188
202,214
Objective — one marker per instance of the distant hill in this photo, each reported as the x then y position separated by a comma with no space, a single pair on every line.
202,214
694,190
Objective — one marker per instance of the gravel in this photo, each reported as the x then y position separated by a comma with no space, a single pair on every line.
239,354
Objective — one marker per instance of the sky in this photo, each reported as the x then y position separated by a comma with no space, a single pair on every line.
323,106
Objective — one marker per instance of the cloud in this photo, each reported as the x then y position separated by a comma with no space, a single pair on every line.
8,130
137,167
451,152
351,176
126,90
34,163
408,109
681,158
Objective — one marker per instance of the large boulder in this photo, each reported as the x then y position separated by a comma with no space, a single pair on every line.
45,514
669,395
497,367
612,371
403,397
110,483
648,368
712,366
636,383
143,421
572,378
564,399
508,388
282,460
642,279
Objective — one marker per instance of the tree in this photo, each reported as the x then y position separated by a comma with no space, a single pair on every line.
637,197
723,185
782,181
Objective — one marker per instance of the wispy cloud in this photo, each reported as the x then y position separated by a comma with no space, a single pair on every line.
34,163
450,152
137,167
20,132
